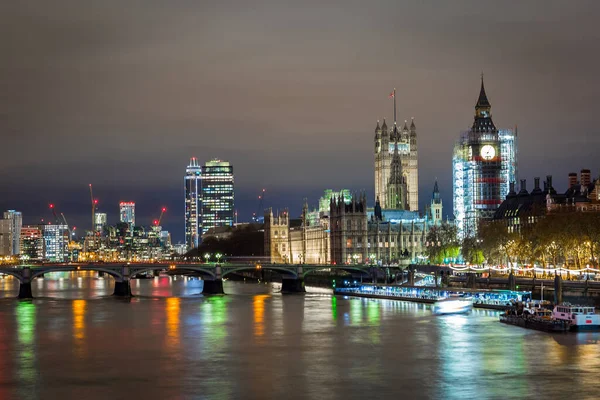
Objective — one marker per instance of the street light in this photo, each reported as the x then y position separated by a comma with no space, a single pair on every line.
207,257
218,256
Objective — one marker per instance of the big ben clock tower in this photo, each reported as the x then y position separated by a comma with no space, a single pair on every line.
484,164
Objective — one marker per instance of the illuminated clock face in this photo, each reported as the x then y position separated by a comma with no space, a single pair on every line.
488,152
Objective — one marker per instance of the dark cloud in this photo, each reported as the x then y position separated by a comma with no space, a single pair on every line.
122,93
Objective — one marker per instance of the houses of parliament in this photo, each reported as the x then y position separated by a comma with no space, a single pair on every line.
396,167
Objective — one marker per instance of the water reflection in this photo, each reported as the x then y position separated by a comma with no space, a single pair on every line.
258,306
26,324
79,319
258,345
172,309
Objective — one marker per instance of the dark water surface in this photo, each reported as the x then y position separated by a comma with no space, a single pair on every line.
74,341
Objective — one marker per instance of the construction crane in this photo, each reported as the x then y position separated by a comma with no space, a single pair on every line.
51,206
261,198
94,203
162,212
67,224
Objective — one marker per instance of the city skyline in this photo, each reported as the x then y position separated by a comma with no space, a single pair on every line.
305,105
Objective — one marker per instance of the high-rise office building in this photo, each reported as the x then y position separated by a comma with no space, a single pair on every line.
127,213
100,220
193,204
484,164
56,242
217,195
10,233
32,243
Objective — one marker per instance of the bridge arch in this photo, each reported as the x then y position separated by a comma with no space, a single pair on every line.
14,274
42,271
285,271
364,270
204,271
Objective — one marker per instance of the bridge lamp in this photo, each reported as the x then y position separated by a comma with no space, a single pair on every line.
207,256
218,256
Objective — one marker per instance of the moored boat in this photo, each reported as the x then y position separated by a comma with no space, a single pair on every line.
579,318
540,321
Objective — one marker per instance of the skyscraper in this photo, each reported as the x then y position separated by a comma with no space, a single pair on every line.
401,191
32,243
484,164
56,241
100,220
217,194
127,213
193,204
10,233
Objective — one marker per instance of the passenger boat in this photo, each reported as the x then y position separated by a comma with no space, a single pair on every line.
579,317
453,305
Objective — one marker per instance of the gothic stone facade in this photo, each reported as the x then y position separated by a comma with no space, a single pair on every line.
296,242
387,142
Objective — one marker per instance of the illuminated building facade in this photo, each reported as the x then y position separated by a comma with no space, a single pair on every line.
56,242
346,232
32,242
100,221
217,195
10,233
127,213
396,166
484,163
193,204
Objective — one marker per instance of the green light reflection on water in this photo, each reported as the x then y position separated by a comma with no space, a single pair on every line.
214,315
25,312
356,312
334,307
214,318
26,322
373,312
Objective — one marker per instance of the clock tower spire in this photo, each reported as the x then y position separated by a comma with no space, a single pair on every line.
483,112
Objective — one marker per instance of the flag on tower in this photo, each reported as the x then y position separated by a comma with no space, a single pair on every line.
393,94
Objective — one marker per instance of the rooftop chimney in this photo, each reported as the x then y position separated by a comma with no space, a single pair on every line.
550,188
523,187
536,186
572,179
585,177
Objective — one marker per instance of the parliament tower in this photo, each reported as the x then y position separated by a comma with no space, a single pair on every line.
396,166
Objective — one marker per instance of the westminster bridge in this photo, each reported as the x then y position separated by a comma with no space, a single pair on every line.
292,275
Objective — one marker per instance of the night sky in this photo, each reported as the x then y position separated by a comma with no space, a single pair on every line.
121,94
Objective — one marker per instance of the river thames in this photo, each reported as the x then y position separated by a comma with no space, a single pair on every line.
75,341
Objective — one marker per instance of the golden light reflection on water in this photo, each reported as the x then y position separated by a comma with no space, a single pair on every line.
173,310
79,319
258,306
79,309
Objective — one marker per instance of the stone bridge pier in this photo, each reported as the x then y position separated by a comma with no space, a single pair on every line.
215,285
293,284
123,284
25,285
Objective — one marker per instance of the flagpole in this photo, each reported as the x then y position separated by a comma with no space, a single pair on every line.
394,106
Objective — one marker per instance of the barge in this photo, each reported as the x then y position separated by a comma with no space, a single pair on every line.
481,298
